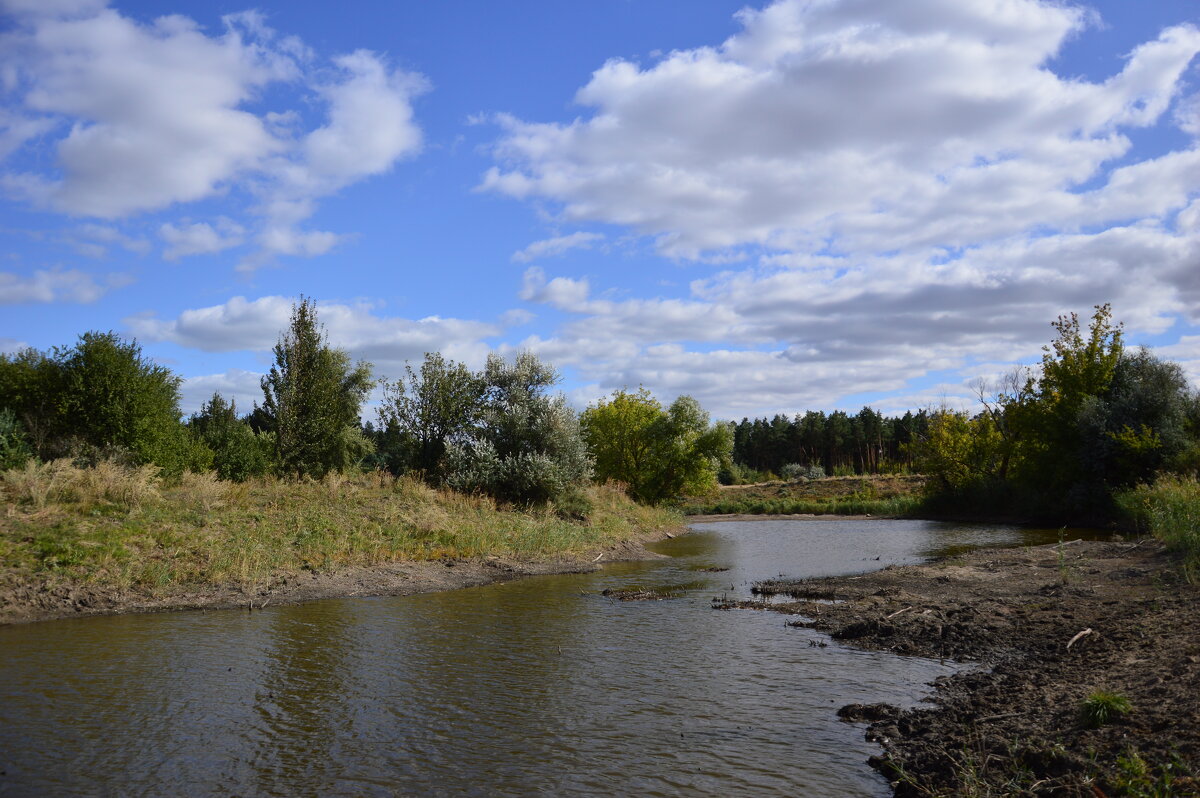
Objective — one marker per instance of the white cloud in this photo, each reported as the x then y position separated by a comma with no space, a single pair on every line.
95,240
142,117
556,246
10,346
199,238
236,385
255,325
55,285
860,126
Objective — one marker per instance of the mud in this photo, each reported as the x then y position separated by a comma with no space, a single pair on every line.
25,598
1048,627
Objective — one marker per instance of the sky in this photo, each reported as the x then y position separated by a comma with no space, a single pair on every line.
775,207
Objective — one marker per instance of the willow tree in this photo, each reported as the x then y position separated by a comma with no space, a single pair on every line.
311,400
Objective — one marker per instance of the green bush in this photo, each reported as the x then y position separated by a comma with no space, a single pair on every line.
1170,511
14,446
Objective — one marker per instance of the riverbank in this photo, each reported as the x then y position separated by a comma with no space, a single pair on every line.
108,540
1054,629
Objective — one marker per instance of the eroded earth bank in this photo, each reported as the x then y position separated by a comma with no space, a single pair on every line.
1042,630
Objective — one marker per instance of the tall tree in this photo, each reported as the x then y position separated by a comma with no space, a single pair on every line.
311,399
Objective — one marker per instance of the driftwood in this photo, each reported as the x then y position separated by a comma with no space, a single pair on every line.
897,612
1084,633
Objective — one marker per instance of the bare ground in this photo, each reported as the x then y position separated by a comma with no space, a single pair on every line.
1049,629
24,598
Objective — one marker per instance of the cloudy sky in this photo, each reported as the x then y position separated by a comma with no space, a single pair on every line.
808,204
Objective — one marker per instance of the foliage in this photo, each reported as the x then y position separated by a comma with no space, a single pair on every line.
658,453
1103,707
424,412
526,446
1169,509
863,443
238,453
311,400
99,399
14,447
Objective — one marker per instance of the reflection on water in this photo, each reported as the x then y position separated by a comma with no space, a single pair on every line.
542,686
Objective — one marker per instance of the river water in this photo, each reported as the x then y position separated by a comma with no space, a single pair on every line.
540,686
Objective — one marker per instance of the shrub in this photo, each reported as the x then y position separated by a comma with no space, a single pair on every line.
14,446
1170,510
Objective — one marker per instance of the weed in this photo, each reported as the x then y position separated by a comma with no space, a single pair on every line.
1102,707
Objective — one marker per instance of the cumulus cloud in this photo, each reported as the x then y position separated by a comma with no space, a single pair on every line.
861,125
55,285
236,385
10,346
910,186
255,325
144,116
556,246
199,238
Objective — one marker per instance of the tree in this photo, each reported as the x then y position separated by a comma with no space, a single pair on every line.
660,454
425,411
526,447
311,400
237,452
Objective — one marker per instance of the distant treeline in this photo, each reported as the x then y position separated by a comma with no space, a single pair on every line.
813,443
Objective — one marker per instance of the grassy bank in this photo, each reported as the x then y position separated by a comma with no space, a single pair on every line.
126,528
867,495
1170,511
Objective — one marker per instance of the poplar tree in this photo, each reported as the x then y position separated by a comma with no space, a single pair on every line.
311,400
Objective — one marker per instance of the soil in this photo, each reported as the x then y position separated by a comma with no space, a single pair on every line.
1049,626
24,600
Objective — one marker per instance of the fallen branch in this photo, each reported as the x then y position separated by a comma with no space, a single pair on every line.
897,612
598,556
1084,633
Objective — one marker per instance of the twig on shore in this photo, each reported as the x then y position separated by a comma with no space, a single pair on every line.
598,556
897,612
1084,633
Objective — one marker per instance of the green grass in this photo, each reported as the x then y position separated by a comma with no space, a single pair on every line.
1170,511
848,505
1102,708
126,528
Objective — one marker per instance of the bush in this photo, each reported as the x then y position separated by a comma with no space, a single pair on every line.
14,446
1170,510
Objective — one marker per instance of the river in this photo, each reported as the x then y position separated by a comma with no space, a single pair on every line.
540,686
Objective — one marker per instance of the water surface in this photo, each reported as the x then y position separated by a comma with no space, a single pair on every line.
541,686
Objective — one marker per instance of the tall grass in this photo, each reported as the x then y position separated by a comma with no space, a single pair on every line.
845,505
127,527
1170,510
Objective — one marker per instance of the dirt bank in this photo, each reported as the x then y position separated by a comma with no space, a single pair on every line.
24,599
1050,627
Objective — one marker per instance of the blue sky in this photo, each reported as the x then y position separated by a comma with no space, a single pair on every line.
776,207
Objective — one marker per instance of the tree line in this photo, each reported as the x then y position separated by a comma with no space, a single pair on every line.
816,444
500,431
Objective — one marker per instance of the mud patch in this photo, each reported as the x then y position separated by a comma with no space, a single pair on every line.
1052,626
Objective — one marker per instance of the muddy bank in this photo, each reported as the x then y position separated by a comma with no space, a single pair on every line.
1048,627
24,600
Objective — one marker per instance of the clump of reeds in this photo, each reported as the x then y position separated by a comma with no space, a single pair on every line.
1170,510
42,485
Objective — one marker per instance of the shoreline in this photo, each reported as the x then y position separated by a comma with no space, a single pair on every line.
35,602
1042,629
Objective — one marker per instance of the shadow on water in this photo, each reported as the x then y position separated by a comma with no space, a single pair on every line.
541,686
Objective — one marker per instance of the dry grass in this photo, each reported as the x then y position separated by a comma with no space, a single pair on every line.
125,527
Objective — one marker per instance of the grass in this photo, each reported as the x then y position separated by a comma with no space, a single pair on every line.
1170,511
126,527
1102,708
867,495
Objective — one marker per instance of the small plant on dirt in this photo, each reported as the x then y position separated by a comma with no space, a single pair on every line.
1135,777
1102,707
